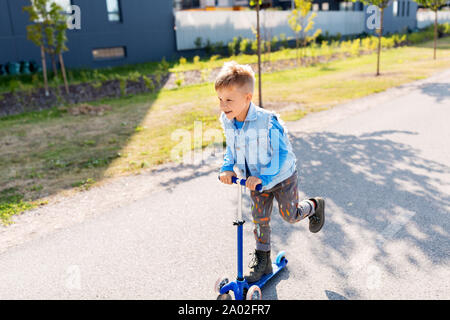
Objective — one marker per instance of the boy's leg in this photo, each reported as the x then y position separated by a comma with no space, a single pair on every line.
288,205
261,263
261,212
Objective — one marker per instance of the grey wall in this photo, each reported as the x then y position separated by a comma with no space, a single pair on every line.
146,30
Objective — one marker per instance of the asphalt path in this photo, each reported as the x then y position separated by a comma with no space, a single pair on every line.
381,162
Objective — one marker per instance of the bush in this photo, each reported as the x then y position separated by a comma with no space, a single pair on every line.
182,60
346,46
370,43
326,49
355,47
217,48
283,41
208,47
387,43
198,42
443,29
255,46
214,57
274,43
234,46
245,46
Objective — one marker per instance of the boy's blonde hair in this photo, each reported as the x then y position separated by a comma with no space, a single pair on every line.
233,74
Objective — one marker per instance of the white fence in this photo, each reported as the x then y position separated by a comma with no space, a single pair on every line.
425,18
225,25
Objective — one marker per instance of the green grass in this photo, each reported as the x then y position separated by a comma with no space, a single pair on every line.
97,76
48,152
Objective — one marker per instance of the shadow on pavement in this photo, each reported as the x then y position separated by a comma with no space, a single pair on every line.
381,186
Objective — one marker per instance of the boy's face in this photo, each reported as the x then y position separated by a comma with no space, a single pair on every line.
234,103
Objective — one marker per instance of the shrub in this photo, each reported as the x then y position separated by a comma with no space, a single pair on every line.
214,57
245,46
254,46
182,60
234,46
274,43
198,42
387,43
208,47
217,48
326,49
179,80
283,41
346,46
370,43
149,83
355,47
134,76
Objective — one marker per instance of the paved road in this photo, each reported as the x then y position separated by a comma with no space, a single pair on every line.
381,162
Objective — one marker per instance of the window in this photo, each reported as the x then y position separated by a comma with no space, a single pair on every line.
407,9
403,8
113,8
325,6
315,7
345,6
108,53
395,8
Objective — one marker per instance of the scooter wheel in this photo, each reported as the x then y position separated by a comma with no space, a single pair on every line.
225,296
254,293
220,282
280,257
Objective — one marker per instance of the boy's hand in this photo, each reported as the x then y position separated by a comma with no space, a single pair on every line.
252,182
225,176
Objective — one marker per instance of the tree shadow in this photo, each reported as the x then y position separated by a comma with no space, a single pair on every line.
439,91
331,295
378,185
383,187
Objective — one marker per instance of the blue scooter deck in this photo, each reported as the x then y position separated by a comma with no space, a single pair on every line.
275,269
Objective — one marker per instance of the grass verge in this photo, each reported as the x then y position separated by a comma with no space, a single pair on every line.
44,153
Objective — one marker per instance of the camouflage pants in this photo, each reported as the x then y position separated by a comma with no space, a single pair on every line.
286,193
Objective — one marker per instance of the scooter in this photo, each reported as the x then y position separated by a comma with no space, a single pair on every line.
240,287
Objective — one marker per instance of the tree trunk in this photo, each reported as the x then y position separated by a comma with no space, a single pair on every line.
63,71
259,53
379,41
54,68
435,33
44,70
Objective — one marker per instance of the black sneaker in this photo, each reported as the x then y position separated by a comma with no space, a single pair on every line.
259,266
317,220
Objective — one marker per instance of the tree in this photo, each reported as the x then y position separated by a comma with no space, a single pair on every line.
434,5
48,32
301,21
60,38
36,32
381,5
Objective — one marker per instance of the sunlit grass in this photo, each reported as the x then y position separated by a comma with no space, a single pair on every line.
46,152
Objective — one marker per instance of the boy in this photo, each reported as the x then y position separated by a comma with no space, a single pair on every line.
258,144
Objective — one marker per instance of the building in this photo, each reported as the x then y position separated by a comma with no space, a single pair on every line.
113,32
118,32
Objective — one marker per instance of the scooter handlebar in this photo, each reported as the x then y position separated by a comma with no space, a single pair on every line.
242,182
